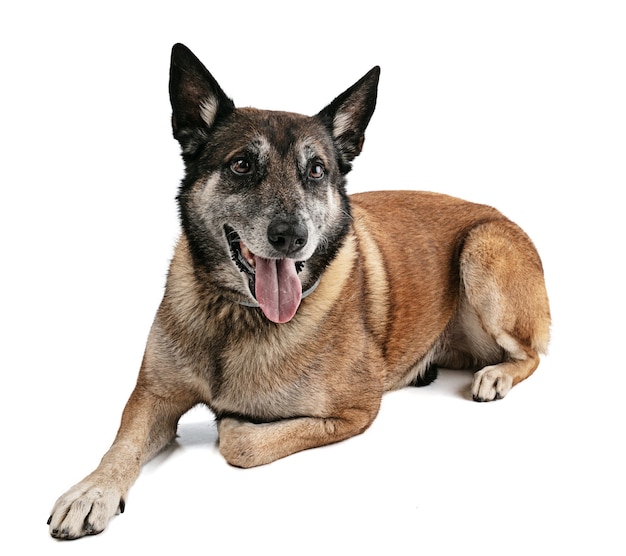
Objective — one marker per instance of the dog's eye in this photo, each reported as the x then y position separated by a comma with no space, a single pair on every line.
316,171
241,166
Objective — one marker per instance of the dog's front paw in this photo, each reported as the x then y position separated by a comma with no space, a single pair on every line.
238,443
491,383
85,509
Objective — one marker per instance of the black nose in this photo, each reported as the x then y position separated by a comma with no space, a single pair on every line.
288,236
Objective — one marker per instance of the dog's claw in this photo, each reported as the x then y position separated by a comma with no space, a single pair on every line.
89,529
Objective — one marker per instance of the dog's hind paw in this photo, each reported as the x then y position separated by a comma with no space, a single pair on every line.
491,383
429,375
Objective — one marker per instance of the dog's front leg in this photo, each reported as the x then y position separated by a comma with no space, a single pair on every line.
245,444
148,424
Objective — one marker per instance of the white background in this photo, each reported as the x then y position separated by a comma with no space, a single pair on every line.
521,105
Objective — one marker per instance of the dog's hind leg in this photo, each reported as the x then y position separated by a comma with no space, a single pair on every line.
502,283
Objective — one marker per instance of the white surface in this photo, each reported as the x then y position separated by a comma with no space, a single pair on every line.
519,107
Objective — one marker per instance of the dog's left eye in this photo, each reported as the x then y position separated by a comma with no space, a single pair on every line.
241,166
316,171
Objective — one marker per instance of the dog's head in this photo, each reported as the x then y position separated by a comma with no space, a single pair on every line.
263,202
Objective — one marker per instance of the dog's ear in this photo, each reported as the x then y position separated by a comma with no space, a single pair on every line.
197,99
348,115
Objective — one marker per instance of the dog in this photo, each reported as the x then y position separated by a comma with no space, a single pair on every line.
291,307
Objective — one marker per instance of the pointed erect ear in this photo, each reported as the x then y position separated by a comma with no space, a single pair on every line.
197,99
348,115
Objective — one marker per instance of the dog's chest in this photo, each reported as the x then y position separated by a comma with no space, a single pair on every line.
265,379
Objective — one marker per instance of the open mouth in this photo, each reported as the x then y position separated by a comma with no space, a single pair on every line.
274,283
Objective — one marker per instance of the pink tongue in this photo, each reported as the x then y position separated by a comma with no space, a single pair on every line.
277,288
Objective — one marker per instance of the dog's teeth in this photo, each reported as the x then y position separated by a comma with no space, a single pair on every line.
247,254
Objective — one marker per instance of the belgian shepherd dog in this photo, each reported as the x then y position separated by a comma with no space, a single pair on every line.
291,307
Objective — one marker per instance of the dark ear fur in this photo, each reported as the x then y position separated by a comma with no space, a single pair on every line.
348,115
197,100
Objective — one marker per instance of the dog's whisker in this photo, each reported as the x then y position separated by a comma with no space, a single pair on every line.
346,213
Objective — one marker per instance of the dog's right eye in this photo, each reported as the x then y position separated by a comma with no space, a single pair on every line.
241,166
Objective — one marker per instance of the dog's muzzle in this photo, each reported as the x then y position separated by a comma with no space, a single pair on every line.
274,283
